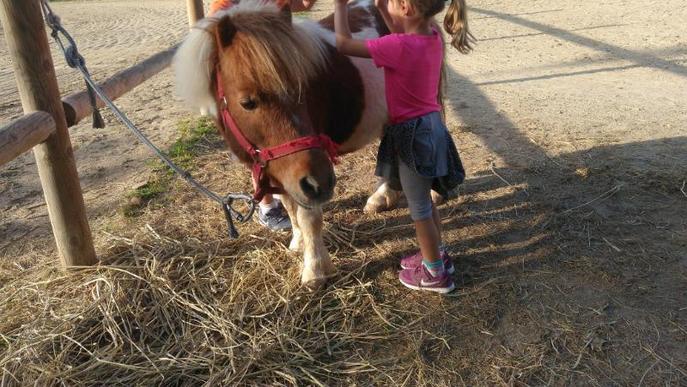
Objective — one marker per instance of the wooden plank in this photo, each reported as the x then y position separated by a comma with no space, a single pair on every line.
23,134
195,11
77,106
27,43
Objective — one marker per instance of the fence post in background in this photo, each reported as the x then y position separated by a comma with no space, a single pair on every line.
195,11
27,42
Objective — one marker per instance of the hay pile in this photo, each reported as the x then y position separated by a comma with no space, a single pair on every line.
175,302
179,313
544,296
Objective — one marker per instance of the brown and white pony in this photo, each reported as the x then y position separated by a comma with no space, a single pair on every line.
284,79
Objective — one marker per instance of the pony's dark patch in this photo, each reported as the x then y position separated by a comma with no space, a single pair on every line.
358,19
336,100
380,24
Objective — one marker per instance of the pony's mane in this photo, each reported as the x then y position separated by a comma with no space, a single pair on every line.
278,57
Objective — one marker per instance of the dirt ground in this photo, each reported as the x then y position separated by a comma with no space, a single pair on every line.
570,236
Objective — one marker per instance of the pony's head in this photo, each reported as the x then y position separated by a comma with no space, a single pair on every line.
265,65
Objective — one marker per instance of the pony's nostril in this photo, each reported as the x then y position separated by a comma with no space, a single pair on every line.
310,187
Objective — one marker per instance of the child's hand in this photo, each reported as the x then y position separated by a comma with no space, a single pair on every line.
381,4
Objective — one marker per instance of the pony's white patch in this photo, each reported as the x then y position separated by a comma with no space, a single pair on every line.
375,114
315,29
367,33
305,31
193,68
363,3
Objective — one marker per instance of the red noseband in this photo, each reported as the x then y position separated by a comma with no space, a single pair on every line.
261,157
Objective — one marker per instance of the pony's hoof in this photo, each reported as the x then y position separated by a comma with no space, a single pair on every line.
437,199
296,244
315,284
316,278
375,205
383,199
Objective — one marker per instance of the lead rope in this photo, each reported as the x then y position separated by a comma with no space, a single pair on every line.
76,61
72,57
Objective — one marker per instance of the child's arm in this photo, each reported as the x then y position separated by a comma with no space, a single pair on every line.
382,8
344,41
301,6
218,5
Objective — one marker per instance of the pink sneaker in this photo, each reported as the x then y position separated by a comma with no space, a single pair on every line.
415,260
420,279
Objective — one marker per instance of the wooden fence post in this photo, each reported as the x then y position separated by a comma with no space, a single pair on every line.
27,42
195,11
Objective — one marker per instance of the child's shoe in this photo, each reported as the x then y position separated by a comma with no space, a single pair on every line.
419,278
275,219
415,260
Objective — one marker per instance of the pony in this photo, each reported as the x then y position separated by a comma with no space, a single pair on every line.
277,80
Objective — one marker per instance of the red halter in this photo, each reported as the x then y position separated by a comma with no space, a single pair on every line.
261,157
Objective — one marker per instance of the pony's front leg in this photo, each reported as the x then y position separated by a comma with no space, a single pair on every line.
383,199
317,264
296,234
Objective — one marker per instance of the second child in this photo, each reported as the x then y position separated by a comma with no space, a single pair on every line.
416,152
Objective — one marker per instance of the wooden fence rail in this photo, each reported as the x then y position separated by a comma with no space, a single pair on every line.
23,134
44,127
78,105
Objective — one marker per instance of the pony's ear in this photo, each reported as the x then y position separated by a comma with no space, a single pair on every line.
284,9
225,32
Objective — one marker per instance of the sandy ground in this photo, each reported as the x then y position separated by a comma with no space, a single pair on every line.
111,36
546,79
572,123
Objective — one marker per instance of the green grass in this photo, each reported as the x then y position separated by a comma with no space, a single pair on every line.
151,189
182,152
185,148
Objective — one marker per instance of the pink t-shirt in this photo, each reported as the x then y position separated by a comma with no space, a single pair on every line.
412,67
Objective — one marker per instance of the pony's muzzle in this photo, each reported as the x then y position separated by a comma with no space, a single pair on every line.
318,190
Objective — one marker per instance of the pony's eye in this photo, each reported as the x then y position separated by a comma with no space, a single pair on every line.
248,103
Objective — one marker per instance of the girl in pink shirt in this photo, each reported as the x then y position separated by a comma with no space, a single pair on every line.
417,154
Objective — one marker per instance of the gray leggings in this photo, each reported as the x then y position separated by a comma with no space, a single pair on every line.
418,192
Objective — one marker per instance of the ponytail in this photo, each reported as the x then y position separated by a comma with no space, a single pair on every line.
456,25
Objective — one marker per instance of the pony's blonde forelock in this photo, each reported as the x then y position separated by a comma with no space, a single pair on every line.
276,56
193,63
280,58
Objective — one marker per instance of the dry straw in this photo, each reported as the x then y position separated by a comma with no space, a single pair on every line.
173,312
541,300
175,302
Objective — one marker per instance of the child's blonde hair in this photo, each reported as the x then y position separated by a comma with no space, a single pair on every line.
455,21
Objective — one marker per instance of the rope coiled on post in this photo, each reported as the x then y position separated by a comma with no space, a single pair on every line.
71,56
